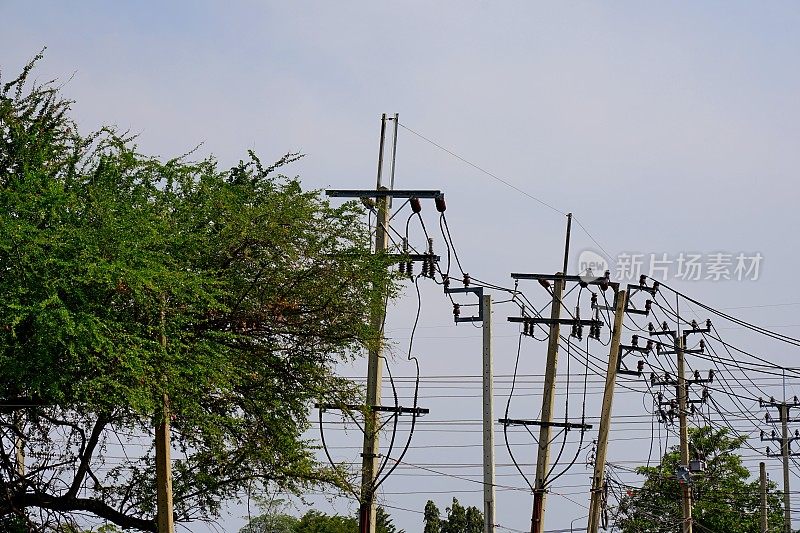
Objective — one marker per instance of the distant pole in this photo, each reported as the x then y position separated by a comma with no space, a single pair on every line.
380,150
684,432
19,443
164,512
566,243
370,457
787,506
394,153
605,416
488,418
543,457
763,478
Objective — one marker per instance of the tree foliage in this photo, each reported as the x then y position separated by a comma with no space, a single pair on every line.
316,522
459,519
432,518
257,286
724,500
271,523
384,523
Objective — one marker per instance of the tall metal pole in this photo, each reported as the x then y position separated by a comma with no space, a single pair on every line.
488,418
543,457
369,462
605,416
684,432
762,467
164,511
787,508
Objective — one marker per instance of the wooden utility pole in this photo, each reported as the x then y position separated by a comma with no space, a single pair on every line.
19,444
370,457
787,506
762,467
605,416
164,472
488,418
164,513
684,432
543,457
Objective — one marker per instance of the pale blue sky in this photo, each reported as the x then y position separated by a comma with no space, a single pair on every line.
665,127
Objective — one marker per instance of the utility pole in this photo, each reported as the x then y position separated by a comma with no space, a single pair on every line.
371,465
556,290
164,512
488,418
605,416
787,510
543,457
164,472
485,317
687,467
786,451
762,467
369,462
19,443
686,489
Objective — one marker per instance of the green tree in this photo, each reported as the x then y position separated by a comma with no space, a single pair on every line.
460,519
316,522
725,501
383,522
258,286
432,518
271,523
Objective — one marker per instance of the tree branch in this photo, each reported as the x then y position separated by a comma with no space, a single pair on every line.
96,507
86,456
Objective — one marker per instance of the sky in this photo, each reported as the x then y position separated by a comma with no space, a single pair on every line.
665,128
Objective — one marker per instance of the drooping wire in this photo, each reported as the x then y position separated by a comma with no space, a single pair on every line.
583,417
566,415
508,406
411,357
394,418
764,331
325,448
448,238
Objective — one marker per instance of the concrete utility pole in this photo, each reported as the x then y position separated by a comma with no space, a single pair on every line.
763,478
787,509
370,465
164,512
686,489
488,418
543,457
785,439
605,416
554,336
682,393
370,456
